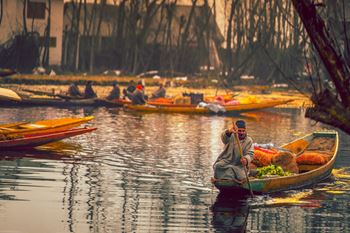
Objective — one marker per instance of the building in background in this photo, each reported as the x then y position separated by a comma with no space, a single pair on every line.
23,19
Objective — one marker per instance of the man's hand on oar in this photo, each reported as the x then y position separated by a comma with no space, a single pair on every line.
234,128
244,161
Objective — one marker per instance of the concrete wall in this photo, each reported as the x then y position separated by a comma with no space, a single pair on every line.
12,24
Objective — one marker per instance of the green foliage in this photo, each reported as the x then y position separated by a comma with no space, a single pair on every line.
271,170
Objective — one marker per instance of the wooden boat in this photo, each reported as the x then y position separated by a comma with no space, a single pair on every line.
45,126
6,72
9,95
194,109
60,102
309,174
38,139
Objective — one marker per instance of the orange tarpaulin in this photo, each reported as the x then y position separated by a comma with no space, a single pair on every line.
263,157
312,158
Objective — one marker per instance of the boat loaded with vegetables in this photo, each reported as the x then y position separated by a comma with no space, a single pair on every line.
300,163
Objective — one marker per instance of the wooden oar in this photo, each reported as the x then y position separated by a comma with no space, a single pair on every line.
244,167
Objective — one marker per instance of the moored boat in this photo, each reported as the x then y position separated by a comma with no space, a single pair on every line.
8,95
38,139
194,109
309,174
60,102
44,126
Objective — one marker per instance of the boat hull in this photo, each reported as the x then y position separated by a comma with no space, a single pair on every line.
276,184
57,102
38,139
45,126
193,109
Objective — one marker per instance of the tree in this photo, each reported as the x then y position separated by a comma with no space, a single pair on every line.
331,106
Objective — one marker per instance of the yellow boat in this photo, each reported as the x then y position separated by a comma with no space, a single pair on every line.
194,109
45,126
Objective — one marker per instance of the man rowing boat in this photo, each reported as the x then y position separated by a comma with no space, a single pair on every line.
229,164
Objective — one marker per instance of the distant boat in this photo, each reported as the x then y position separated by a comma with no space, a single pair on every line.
6,72
38,139
44,126
60,102
8,95
310,174
194,109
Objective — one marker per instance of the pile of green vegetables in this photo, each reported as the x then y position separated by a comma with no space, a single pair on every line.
271,170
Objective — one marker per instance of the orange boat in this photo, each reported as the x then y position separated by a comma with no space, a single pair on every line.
44,126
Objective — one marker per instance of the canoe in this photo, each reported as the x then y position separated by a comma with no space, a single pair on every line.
38,139
6,72
59,102
9,95
309,174
45,126
194,109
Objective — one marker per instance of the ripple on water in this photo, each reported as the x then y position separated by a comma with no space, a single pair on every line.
151,173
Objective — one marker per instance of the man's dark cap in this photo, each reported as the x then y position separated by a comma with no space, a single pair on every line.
240,124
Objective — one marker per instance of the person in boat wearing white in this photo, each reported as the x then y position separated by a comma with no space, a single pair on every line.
159,93
229,164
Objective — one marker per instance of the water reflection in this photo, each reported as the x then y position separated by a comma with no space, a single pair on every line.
151,173
230,212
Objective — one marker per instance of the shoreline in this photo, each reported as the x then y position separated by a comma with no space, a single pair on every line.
103,84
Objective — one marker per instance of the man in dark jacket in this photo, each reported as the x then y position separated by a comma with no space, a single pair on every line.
73,90
115,93
137,97
89,92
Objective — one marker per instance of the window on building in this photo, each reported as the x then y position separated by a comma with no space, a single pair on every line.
36,10
53,41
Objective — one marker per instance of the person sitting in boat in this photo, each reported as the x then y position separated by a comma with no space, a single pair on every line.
159,93
89,92
137,97
229,164
73,90
115,93
129,89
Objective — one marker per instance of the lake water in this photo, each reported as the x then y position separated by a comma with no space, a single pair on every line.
151,173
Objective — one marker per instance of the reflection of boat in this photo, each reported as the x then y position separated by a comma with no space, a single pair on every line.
34,153
311,174
230,212
37,139
194,109
45,126
60,102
